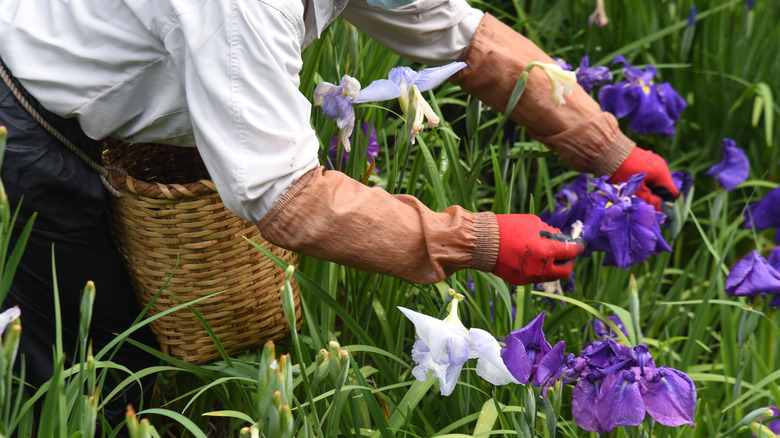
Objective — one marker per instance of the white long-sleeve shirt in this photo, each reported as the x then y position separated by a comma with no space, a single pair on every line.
222,75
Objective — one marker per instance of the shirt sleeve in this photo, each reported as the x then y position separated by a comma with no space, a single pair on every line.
240,61
433,32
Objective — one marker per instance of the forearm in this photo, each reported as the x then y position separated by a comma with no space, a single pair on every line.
330,216
585,137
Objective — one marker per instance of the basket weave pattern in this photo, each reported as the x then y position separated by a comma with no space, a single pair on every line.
172,221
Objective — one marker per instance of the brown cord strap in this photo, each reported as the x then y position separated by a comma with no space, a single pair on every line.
100,169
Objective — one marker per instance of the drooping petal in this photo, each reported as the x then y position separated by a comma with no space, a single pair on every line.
765,213
733,169
620,401
621,99
583,403
683,181
430,77
651,116
516,360
670,397
490,366
379,90
752,275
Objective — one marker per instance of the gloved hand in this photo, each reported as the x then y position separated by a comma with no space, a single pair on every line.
530,251
658,186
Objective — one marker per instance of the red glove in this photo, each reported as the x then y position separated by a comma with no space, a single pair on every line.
657,187
530,251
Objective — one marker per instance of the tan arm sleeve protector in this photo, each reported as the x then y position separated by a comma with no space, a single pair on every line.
330,216
586,138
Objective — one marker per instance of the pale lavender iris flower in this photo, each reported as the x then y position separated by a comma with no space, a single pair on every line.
400,81
444,346
733,169
336,102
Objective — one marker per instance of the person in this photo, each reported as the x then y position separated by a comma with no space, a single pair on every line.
223,76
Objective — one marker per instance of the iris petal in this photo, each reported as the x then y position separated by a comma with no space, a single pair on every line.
670,397
620,402
752,275
765,213
431,77
379,90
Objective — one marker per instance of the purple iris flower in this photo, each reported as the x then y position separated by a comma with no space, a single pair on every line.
651,108
622,225
570,205
372,148
620,384
525,349
733,169
750,4
751,276
602,331
683,180
588,77
765,213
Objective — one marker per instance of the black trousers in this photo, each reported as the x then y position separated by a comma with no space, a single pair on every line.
46,177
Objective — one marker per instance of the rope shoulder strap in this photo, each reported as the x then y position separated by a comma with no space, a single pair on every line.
99,168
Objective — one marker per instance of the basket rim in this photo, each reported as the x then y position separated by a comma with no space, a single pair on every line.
124,182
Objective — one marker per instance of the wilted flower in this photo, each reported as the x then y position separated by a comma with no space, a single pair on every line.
398,84
336,102
562,81
650,107
444,346
622,225
765,213
751,276
525,348
733,169
588,77
599,16
371,149
8,316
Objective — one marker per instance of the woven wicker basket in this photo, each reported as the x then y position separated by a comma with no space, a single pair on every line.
171,220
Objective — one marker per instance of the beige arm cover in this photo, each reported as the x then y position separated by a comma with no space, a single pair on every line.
586,138
330,216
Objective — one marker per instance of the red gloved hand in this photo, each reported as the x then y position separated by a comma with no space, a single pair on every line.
530,251
658,186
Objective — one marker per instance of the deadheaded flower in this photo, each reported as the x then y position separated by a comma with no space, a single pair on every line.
443,346
403,83
336,102
8,316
